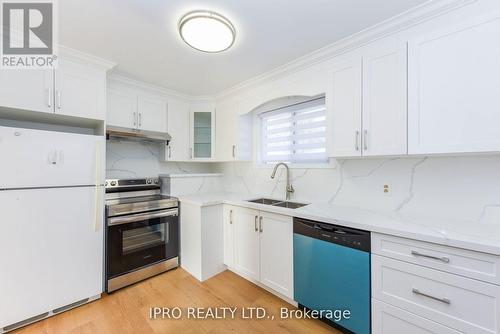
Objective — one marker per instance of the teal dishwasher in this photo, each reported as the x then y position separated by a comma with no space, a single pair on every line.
332,273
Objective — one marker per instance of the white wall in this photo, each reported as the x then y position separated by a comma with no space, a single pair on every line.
457,188
125,159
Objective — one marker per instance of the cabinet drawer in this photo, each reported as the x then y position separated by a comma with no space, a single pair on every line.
461,303
387,319
481,266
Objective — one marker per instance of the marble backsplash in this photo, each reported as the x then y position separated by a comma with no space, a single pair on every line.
456,188
126,159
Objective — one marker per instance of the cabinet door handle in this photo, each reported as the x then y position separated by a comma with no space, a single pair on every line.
260,225
442,259
234,151
365,140
135,118
191,152
169,151
442,300
357,140
49,98
231,217
255,224
140,119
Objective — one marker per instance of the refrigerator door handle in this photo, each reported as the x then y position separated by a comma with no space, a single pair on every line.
98,191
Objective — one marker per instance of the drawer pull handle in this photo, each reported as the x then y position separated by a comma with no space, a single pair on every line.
442,259
442,300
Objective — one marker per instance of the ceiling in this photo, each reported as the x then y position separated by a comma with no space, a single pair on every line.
141,35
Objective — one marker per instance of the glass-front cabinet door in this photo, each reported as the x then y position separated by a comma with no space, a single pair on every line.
202,133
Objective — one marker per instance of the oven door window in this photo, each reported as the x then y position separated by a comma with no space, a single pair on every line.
142,238
141,241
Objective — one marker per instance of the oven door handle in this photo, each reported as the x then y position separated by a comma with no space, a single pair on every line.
141,216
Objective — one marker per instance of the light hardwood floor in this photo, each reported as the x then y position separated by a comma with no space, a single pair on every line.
127,310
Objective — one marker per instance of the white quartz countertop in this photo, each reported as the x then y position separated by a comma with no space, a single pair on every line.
467,235
185,175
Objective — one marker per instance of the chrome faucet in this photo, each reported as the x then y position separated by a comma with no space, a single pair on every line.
289,188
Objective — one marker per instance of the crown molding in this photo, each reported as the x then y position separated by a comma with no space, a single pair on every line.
77,55
116,77
400,22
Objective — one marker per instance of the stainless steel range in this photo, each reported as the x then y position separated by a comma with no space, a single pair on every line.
142,231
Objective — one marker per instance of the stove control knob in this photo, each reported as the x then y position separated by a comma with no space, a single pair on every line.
106,183
113,183
156,181
149,181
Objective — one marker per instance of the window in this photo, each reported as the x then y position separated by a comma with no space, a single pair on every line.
295,134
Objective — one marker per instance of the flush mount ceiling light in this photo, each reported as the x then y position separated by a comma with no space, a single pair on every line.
207,31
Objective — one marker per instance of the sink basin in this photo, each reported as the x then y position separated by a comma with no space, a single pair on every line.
274,202
290,205
266,201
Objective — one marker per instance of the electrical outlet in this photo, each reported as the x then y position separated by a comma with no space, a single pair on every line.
387,190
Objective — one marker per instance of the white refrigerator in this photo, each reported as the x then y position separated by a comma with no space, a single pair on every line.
51,222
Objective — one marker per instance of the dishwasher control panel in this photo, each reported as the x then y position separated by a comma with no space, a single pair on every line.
340,235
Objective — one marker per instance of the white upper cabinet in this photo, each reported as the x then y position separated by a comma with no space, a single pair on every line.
345,108
80,91
76,87
152,113
202,130
454,89
122,108
384,99
178,128
136,109
27,89
226,136
368,102
234,133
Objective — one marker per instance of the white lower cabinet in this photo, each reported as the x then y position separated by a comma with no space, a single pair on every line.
276,252
201,241
442,289
388,319
228,232
259,246
455,301
481,266
246,242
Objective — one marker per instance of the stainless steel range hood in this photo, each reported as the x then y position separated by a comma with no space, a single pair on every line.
115,132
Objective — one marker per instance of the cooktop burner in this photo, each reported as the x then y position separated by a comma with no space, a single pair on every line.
128,196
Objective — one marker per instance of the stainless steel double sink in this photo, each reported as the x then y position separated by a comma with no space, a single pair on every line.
274,202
